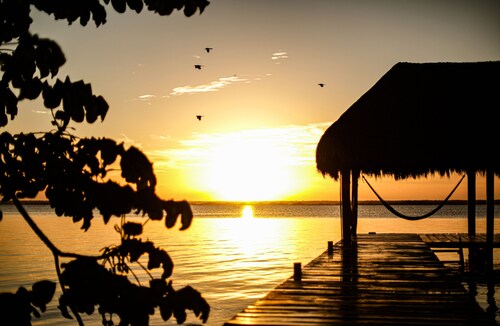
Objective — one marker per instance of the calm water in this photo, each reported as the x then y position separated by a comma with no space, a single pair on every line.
232,254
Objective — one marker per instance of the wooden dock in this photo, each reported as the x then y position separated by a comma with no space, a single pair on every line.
385,279
458,240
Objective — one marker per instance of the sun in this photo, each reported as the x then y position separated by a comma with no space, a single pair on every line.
248,167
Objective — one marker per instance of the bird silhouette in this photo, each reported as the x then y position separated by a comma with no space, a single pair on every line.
199,117
198,66
321,84
208,49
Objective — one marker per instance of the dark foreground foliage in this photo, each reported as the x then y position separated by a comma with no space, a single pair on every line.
81,176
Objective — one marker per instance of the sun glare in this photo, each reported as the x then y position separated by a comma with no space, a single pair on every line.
242,168
246,165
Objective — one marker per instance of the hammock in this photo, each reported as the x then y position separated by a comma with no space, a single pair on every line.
413,218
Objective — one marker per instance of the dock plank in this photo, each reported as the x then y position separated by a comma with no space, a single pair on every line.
386,279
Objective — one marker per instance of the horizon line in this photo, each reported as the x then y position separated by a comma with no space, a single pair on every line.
303,202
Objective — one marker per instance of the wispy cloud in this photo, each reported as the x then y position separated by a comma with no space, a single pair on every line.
146,97
149,98
213,86
128,141
278,56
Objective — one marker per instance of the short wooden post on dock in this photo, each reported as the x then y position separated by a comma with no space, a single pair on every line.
330,248
297,272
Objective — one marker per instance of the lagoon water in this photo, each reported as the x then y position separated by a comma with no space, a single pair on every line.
233,254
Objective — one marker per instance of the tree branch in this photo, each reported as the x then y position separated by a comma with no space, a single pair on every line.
44,238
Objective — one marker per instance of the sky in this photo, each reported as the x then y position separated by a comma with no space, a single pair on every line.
258,88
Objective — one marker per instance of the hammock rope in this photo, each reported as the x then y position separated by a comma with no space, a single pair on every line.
413,218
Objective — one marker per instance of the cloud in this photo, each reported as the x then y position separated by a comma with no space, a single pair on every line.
280,55
213,86
296,143
149,98
146,97
128,141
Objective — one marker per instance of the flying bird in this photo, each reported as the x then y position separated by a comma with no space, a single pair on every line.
198,66
321,84
208,49
199,117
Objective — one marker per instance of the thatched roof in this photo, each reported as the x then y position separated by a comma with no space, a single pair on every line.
419,119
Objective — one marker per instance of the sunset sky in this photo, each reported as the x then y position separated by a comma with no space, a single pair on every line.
257,89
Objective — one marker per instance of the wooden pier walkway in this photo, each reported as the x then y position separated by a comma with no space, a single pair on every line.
458,240
386,279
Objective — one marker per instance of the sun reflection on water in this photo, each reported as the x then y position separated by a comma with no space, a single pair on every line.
247,212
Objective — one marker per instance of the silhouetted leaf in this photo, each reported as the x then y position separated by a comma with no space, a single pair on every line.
189,298
202,4
189,8
119,5
111,198
136,5
166,309
159,287
61,115
1,215
167,265
159,257
63,307
16,308
101,105
8,103
42,293
162,8
49,57
172,213
3,118
84,17
132,229
186,214
52,95
174,209
109,151
91,112
98,14
147,202
31,89
137,169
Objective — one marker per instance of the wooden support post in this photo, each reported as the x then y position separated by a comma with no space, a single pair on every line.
471,203
345,207
354,205
490,217
297,272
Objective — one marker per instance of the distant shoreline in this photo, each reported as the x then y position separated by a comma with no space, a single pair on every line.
299,202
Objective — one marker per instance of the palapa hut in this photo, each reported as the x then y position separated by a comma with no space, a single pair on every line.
419,119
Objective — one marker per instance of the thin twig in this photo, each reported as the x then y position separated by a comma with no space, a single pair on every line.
135,276
145,269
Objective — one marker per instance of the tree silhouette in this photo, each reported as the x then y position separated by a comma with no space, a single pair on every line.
74,174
